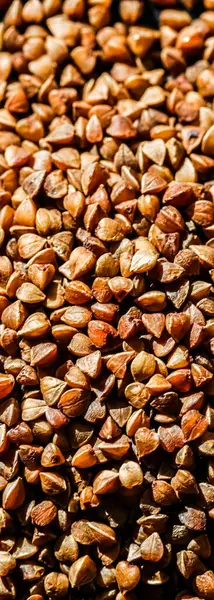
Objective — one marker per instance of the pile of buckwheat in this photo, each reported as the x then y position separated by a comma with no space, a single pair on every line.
106,300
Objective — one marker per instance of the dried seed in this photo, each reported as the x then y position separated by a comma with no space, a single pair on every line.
127,575
82,571
146,440
152,548
44,513
90,532
143,366
145,258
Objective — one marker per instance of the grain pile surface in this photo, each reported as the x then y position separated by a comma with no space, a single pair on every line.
106,300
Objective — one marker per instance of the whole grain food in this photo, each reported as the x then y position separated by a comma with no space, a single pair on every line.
106,300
